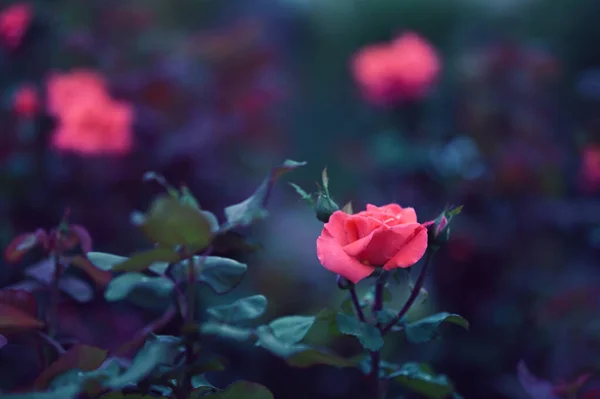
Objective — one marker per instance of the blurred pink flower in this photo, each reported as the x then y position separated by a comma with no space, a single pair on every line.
589,173
26,101
404,69
90,122
95,127
65,89
14,22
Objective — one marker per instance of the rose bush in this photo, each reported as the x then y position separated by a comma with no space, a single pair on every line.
389,236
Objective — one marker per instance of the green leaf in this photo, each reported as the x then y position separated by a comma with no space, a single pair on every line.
235,333
419,378
170,223
291,329
244,390
455,211
122,286
80,357
253,208
66,392
221,274
299,355
143,260
153,176
242,309
199,381
305,196
385,368
313,356
325,180
425,329
145,361
348,208
325,325
107,262
188,198
367,334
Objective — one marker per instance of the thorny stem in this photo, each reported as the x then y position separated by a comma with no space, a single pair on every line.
178,294
413,295
191,292
54,297
190,317
356,304
376,355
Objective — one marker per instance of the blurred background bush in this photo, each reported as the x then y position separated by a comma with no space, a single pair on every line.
215,92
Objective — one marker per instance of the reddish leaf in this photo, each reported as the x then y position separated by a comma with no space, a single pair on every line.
83,237
14,320
100,277
19,299
82,357
20,245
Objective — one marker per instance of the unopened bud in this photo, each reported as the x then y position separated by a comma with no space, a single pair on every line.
439,229
325,207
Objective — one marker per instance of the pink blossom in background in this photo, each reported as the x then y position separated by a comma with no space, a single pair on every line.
89,121
404,69
14,22
589,173
95,127
69,88
26,101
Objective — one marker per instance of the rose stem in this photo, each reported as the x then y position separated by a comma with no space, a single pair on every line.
413,295
356,304
190,317
178,295
375,355
54,297
189,320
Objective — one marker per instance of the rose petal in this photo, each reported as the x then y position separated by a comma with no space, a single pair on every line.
359,227
333,258
390,245
408,215
411,252
390,208
335,225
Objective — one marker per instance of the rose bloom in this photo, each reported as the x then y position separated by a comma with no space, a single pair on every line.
26,101
404,69
14,22
388,236
92,127
65,89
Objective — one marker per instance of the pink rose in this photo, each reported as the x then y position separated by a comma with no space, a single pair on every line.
404,69
388,236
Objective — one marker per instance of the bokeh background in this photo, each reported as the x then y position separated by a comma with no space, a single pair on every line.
213,93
